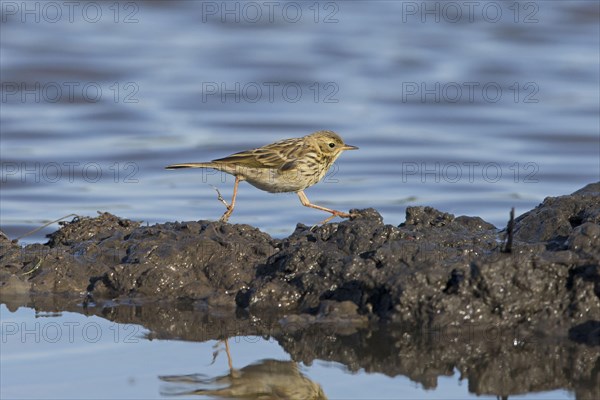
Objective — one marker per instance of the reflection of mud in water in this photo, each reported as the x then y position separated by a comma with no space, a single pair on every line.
495,360
265,379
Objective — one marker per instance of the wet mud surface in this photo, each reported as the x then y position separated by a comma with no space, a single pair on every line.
434,269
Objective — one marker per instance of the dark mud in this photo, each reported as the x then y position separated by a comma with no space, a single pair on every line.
434,269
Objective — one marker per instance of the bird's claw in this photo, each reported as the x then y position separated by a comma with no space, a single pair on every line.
220,198
333,215
226,215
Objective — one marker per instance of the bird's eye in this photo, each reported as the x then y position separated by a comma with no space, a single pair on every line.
332,145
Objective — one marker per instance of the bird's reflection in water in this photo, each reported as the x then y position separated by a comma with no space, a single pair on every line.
264,380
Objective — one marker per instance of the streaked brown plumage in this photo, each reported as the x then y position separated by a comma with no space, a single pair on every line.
265,380
289,165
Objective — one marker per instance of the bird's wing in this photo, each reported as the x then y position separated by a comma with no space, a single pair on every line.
279,155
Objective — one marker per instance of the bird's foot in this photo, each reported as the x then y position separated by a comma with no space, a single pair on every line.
225,216
221,199
334,213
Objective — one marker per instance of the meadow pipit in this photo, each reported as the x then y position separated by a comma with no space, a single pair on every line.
290,165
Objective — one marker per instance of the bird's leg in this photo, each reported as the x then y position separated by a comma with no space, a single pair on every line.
334,213
230,207
220,197
229,362
225,342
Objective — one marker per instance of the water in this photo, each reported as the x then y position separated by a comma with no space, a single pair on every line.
127,352
467,110
473,116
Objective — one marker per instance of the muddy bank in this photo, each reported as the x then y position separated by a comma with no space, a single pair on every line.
434,269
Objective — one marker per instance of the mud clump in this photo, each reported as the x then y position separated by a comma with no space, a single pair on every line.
434,269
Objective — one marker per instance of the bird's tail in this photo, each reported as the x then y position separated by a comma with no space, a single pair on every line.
191,165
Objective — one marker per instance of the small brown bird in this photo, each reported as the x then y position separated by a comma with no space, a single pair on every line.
290,165
264,380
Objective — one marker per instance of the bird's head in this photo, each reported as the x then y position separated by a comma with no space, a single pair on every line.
330,143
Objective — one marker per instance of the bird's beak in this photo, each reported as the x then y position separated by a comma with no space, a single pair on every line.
348,147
